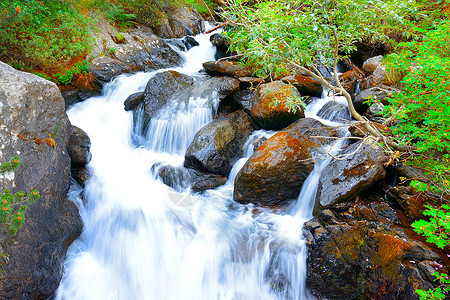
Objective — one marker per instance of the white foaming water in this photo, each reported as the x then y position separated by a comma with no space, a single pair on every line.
137,244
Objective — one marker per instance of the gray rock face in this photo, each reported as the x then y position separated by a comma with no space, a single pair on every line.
371,64
143,51
179,23
33,107
365,95
161,89
334,111
219,144
79,147
344,179
180,178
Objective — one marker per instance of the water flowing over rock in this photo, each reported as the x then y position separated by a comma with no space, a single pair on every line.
335,112
346,178
359,252
181,178
275,173
260,105
34,108
143,51
162,88
219,144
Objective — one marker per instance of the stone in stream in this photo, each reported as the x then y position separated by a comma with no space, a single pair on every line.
260,105
360,167
219,144
34,108
275,173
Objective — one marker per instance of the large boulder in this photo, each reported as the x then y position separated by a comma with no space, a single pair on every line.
178,22
219,144
275,173
360,252
162,88
34,108
360,167
143,51
262,108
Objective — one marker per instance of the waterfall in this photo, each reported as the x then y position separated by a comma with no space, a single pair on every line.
139,242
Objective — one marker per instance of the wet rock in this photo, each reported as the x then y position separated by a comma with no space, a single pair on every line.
275,173
229,68
259,105
222,44
79,147
335,112
223,86
359,102
349,80
181,178
33,107
190,42
306,85
133,101
370,65
219,144
346,178
314,130
361,261
160,89
178,178
251,82
378,77
207,182
81,175
144,52
409,200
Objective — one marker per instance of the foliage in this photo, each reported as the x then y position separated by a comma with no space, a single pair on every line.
81,67
273,33
44,34
439,292
12,206
437,231
422,107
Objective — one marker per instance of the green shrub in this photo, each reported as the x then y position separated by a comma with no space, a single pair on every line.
422,108
44,34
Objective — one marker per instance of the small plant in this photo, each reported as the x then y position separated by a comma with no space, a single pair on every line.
437,231
112,50
13,206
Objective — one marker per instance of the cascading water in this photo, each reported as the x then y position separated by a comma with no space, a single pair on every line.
138,244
